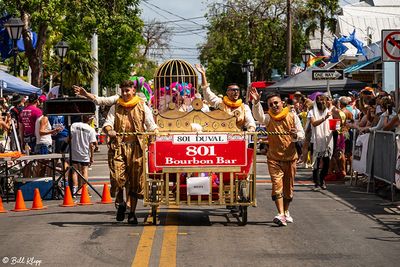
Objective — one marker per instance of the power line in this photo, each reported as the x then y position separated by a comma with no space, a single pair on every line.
173,21
169,12
147,4
186,48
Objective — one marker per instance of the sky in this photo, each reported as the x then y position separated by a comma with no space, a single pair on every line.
187,34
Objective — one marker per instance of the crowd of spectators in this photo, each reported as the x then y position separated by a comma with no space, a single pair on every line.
332,123
24,126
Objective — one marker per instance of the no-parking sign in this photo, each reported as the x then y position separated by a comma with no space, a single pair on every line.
391,45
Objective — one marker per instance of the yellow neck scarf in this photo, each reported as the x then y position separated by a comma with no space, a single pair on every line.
280,116
232,104
131,103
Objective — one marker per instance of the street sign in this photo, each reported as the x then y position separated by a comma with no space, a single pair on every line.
327,75
3,85
391,45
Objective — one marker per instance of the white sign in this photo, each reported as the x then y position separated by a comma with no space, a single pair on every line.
200,139
3,84
391,45
198,186
327,75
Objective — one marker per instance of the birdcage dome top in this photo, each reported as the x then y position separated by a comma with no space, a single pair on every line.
175,70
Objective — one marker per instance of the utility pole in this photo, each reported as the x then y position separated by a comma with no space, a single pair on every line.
288,37
95,81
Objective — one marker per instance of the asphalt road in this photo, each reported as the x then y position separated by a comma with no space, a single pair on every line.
342,226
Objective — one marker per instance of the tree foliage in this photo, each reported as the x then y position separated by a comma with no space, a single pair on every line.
157,37
241,30
320,16
116,23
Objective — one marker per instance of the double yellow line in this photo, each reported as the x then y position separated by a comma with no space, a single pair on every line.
169,243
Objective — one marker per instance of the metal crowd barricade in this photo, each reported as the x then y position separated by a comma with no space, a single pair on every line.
382,165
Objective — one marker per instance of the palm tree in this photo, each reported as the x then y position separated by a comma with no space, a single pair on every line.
79,64
321,15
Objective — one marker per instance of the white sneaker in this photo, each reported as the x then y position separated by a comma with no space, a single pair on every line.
280,220
289,219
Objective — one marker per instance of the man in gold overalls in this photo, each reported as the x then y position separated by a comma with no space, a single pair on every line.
129,114
281,155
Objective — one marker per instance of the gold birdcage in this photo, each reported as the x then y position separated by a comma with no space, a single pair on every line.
170,80
175,81
175,70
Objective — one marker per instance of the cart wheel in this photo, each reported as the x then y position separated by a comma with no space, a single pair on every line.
243,214
154,214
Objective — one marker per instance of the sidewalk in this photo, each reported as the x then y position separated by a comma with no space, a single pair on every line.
374,205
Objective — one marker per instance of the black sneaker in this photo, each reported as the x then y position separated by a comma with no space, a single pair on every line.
132,218
121,212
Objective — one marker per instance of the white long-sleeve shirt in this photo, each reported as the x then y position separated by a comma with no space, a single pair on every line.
213,100
259,115
106,100
149,123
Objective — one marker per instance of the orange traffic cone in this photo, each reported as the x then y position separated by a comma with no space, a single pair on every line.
85,199
37,201
2,210
106,196
68,201
19,202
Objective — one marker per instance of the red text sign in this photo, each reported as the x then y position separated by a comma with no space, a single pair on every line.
196,150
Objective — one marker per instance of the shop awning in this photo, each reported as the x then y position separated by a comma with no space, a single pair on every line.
360,65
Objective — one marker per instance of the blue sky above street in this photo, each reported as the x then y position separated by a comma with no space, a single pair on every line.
187,34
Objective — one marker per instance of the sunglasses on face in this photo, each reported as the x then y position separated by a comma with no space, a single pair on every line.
275,103
235,90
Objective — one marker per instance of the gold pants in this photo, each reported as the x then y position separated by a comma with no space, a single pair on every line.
127,169
111,166
282,176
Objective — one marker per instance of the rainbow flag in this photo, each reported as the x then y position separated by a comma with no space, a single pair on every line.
315,61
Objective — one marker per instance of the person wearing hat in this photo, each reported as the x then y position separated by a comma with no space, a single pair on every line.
231,102
27,119
5,120
17,105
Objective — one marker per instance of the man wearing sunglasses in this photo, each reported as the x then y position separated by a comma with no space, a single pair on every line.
281,155
231,102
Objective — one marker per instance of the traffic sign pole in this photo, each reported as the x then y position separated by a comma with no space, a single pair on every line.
391,53
397,85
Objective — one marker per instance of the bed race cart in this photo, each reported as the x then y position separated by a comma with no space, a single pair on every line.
198,157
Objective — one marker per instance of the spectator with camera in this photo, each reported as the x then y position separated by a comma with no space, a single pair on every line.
5,121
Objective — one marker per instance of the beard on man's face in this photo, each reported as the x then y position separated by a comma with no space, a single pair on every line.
321,106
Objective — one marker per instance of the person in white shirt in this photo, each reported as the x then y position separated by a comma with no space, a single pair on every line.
43,133
83,141
231,102
322,139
